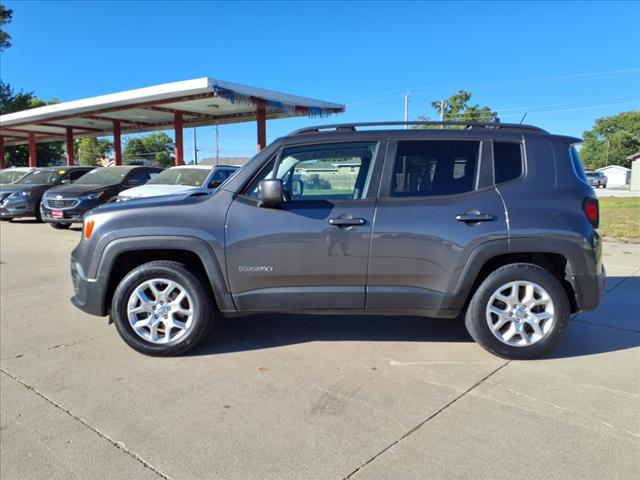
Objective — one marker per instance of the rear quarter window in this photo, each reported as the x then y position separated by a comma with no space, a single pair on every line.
577,164
507,161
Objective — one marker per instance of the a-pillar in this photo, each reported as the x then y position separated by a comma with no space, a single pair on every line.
70,159
117,143
1,151
261,120
33,161
179,140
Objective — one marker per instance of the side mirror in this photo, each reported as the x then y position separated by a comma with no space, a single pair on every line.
65,181
270,193
215,183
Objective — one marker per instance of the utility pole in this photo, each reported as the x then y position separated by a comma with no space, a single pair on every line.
406,110
217,146
606,155
195,147
442,112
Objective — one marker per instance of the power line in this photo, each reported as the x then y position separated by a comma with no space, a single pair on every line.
388,94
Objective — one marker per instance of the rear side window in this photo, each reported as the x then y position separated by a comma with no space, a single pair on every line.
507,161
432,168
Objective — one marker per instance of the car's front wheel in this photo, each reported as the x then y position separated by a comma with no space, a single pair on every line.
519,311
162,309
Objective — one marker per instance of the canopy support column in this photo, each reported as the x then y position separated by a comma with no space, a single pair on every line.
261,119
179,143
33,161
117,143
70,159
1,151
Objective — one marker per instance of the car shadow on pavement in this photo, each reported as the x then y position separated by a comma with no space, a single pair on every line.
602,331
262,331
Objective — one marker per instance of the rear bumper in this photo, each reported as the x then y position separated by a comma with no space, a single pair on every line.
88,293
589,290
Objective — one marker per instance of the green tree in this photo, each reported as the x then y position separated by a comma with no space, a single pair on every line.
457,108
611,140
6,15
91,149
18,155
155,148
11,101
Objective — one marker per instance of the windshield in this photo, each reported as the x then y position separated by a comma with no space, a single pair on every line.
42,177
10,176
103,176
193,177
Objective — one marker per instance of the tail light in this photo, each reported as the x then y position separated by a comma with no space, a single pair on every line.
591,209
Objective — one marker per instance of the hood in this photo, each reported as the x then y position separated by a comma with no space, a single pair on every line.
74,190
145,191
150,202
13,187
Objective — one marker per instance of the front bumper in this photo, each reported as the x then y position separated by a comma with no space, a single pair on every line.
17,207
89,294
69,215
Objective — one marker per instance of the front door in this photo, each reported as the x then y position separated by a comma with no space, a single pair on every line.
312,252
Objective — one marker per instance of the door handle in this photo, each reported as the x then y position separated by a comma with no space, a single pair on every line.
346,222
472,217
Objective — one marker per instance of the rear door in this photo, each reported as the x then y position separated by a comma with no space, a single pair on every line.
437,204
311,253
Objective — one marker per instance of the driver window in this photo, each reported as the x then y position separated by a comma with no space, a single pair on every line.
322,172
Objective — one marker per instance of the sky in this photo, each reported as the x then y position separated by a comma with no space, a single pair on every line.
564,64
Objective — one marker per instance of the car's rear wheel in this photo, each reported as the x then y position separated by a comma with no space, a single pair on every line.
60,226
162,309
519,311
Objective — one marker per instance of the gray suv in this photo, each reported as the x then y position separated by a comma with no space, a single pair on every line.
493,222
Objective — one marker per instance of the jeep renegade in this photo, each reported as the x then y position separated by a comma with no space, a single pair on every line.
492,221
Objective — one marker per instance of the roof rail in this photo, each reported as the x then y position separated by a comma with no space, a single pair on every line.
468,125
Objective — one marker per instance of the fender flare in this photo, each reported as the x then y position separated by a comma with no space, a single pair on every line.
194,245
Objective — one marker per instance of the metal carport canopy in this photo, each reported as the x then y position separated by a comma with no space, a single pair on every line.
190,103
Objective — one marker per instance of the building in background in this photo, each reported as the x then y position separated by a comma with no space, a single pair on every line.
617,176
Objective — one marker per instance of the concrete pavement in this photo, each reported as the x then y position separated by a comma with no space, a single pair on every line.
307,397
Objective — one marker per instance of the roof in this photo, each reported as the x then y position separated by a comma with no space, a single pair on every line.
613,167
202,101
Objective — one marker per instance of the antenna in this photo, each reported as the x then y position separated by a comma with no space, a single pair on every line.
523,117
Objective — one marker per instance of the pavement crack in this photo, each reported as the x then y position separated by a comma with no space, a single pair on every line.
538,401
419,425
119,445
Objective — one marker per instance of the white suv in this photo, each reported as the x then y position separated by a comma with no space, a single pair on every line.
181,180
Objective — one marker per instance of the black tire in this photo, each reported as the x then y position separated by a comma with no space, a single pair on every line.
203,316
60,226
38,213
475,318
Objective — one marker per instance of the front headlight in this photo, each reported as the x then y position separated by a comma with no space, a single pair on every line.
93,196
26,193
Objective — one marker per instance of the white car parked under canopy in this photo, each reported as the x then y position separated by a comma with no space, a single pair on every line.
181,180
